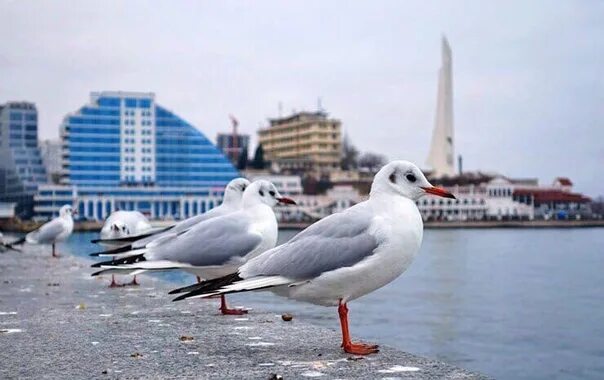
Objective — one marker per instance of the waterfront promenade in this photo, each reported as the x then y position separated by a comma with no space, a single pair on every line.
58,322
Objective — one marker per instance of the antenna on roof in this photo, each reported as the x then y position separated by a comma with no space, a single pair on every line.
280,107
319,105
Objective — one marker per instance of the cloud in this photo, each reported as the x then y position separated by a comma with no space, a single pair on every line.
528,84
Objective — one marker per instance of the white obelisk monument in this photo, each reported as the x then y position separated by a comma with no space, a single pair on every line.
442,154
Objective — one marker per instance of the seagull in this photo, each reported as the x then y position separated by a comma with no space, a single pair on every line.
231,202
343,256
123,224
214,247
52,232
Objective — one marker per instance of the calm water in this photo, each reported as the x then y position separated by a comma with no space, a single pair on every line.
514,304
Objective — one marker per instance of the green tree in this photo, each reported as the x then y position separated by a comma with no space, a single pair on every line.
259,162
242,160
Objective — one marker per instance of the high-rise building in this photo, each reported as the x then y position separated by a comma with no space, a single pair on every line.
21,169
51,152
303,141
233,145
124,151
442,152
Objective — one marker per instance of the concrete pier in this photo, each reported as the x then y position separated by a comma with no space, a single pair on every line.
58,322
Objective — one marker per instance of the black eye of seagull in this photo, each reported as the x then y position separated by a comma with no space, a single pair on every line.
411,178
272,193
261,193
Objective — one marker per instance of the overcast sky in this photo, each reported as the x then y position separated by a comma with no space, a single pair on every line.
528,76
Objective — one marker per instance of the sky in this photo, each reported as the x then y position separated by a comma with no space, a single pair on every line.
528,76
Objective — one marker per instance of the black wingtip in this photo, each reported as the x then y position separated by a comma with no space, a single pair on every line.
96,265
180,298
97,273
113,251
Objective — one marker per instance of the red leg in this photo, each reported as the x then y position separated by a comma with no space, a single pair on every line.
134,282
113,283
226,311
198,279
350,347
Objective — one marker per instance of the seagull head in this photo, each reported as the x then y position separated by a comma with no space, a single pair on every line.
263,191
233,192
66,210
406,179
119,228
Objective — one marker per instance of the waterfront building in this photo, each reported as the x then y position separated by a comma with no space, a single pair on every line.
51,152
442,152
124,151
21,169
290,185
303,141
233,145
482,196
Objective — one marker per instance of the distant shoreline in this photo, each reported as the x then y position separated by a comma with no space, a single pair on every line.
96,226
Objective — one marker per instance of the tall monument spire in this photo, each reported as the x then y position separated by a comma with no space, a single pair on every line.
442,148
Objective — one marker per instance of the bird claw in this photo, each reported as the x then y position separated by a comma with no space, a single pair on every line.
361,348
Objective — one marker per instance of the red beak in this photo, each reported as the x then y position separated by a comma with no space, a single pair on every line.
286,201
439,192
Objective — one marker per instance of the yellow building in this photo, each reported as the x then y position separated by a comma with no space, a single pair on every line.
303,141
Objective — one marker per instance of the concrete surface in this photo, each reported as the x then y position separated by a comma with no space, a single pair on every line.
58,322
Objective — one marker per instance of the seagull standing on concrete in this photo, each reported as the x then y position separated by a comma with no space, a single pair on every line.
214,247
122,224
55,231
343,256
231,202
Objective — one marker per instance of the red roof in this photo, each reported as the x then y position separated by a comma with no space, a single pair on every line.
544,196
564,181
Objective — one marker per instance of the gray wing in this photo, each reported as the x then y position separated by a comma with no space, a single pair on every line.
190,222
217,241
340,240
48,232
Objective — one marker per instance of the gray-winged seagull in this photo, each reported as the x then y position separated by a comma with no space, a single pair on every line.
213,247
343,256
52,232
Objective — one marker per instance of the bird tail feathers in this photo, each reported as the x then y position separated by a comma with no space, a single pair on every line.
229,284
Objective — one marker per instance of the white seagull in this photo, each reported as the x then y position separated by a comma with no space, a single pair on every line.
122,224
214,247
52,232
343,256
231,202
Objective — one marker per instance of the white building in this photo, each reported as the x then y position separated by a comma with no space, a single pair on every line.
285,184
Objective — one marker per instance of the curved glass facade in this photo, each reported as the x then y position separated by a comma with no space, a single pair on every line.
126,149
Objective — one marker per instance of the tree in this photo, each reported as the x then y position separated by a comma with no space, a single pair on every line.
242,160
372,161
350,155
258,162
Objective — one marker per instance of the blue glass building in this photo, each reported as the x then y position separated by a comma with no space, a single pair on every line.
124,151
21,168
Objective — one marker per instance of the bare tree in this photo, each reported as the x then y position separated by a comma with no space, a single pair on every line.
350,155
372,161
